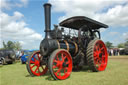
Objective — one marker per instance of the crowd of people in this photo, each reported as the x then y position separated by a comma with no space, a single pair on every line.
113,52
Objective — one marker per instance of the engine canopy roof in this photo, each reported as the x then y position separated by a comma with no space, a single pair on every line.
77,22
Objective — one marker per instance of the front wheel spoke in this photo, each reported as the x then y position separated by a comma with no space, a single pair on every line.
36,68
38,57
99,51
54,66
55,61
57,57
65,69
67,62
34,58
58,71
32,61
33,66
63,57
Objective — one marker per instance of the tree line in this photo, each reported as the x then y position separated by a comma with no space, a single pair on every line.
120,45
12,45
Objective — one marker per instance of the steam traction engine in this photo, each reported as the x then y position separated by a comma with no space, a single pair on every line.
60,52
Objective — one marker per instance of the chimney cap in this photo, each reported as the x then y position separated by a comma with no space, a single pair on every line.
47,4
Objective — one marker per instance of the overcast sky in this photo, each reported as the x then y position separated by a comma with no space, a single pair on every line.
23,20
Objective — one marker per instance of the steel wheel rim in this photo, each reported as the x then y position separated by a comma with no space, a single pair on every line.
35,66
62,65
100,55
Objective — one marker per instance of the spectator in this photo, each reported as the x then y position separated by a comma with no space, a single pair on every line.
118,52
114,51
111,52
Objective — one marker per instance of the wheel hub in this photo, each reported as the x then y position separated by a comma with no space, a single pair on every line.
64,64
37,63
100,55
59,64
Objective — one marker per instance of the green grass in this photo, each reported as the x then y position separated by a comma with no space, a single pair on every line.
115,74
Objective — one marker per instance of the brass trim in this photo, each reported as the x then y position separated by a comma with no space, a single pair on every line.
76,47
58,44
67,44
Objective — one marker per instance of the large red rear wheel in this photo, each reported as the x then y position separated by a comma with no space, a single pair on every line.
34,65
60,64
97,56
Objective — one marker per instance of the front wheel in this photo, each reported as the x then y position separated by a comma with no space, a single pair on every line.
34,65
60,64
97,56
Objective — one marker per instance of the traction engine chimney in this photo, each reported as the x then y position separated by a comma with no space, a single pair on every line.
47,13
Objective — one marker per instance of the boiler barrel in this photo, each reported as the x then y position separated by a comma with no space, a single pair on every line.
72,47
47,46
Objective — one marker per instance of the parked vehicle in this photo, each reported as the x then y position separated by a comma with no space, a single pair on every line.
126,49
25,55
7,56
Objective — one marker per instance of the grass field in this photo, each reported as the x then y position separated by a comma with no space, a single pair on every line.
115,74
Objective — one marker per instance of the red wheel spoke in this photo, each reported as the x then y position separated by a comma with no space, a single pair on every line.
63,57
36,69
96,61
55,61
57,58
65,69
58,71
54,66
95,54
33,66
38,57
100,61
96,58
67,62
34,58
32,62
